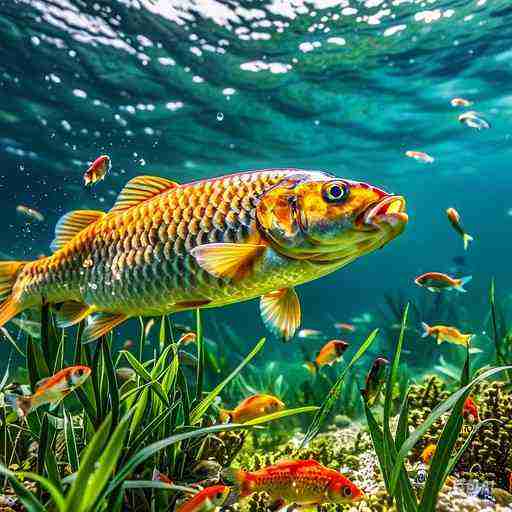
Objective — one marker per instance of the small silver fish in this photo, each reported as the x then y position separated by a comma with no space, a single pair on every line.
474,120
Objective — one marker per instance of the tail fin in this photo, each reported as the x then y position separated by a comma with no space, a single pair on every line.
466,239
225,416
426,330
312,367
9,307
21,404
462,282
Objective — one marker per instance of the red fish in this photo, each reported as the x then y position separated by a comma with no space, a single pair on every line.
50,390
97,170
304,482
470,411
206,500
161,477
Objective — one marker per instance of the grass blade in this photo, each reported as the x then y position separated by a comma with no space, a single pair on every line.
30,502
281,414
153,448
327,405
113,388
199,410
70,438
201,356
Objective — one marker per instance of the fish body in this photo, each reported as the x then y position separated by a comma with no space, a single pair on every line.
420,156
428,453
375,381
328,355
51,390
206,500
166,247
97,170
437,281
474,120
454,218
470,411
251,408
161,477
187,338
30,213
461,102
345,327
446,333
303,482
309,334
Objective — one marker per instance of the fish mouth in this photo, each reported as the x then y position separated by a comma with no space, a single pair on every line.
389,212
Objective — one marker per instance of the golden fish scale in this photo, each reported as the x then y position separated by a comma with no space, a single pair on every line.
139,261
303,486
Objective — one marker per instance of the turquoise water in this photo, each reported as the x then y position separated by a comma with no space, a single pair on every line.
195,89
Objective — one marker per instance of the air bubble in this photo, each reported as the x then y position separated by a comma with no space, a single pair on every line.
220,116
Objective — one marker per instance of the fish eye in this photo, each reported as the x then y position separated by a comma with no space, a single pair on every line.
80,372
346,491
335,192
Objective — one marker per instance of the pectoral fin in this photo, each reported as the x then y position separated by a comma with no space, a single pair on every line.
71,313
280,311
102,324
227,260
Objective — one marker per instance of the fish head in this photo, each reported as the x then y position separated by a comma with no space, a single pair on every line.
79,374
217,495
342,490
274,404
315,216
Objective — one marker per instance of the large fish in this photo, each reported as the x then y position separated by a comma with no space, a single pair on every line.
166,247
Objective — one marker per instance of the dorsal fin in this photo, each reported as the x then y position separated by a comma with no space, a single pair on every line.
140,189
71,224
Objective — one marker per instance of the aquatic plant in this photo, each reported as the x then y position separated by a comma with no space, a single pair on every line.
131,416
392,450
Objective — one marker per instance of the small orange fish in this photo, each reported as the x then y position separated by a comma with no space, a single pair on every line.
97,171
50,390
445,333
345,327
207,499
30,213
461,102
470,411
161,477
454,218
428,453
420,156
251,408
303,482
187,338
128,344
328,355
436,281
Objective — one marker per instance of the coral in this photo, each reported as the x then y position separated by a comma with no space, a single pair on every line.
489,456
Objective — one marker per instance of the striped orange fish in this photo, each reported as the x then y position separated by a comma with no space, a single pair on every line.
50,390
165,247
